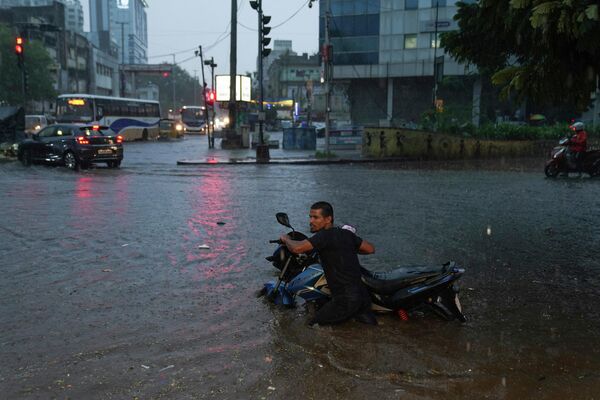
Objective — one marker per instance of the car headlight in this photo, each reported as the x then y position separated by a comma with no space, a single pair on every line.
178,127
37,127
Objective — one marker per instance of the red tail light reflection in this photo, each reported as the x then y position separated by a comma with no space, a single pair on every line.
82,140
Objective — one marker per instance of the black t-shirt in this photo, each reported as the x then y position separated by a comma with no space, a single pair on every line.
338,249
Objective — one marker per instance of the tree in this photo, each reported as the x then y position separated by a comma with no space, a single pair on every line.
546,51
37,63
185,85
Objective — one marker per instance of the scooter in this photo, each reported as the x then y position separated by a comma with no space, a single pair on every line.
560,163
403,290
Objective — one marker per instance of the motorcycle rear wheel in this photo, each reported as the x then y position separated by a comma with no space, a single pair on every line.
552,170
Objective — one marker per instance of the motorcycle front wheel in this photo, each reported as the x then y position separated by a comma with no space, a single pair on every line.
552,170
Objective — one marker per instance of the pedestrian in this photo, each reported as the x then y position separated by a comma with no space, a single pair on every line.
338,249
578,145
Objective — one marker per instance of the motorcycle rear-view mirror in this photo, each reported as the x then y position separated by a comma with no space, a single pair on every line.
283,219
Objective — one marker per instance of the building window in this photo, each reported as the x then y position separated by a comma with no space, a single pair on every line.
411,4
410,41
436,3
434,42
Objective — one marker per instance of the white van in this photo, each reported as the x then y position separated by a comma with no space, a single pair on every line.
34,123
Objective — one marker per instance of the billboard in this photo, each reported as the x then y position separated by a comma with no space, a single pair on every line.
243,90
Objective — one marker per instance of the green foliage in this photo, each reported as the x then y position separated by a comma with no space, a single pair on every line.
323,154
521,132
37,64
546,51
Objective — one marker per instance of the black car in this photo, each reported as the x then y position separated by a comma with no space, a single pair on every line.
72,145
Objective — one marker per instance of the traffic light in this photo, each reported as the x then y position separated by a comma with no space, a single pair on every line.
165,74
210,97
264,31
20,50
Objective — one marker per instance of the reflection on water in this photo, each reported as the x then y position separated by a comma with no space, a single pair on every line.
138,290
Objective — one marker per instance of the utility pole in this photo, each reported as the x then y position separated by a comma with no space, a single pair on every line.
173,81
208,135
212,65
122,57
233,68
262,150
435,42
327,71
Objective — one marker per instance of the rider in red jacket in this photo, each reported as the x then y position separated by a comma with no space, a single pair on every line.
578,144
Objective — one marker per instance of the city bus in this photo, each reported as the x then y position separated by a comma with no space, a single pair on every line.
134,119
193,119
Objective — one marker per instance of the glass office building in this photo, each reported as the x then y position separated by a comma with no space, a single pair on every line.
385,50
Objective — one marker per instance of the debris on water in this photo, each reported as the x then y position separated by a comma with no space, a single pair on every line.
471,288
271,388
220,223
166,368
320,365
268,359
145,366
489,231
125,245
107,270
504,381
204,247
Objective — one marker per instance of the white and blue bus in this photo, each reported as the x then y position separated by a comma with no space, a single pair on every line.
134,119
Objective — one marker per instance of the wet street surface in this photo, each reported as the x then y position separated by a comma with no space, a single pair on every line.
105,293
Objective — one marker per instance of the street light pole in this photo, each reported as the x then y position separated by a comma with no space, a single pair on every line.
173,81
199,52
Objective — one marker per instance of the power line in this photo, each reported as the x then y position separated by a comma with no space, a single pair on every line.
291,16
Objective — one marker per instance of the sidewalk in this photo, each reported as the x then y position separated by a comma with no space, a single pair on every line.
205,156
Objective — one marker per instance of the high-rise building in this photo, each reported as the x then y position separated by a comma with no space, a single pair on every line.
73,10
124,23
384,53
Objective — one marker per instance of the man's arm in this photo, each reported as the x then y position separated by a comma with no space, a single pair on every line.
296,246
366,248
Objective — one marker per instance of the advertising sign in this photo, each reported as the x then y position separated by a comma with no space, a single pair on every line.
243,90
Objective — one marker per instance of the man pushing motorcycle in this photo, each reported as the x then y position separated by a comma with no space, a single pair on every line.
338,249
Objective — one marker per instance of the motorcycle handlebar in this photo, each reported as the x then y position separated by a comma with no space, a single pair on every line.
276,241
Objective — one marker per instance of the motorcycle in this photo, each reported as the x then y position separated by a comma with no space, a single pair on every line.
403,290
560,161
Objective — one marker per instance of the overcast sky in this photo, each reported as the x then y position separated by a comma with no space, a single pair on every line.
179,26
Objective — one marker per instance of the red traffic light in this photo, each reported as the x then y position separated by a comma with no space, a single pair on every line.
165,74
210,97
19,45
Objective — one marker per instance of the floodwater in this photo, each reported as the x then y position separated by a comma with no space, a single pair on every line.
105,293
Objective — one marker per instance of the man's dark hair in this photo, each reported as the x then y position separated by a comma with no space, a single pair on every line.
325,207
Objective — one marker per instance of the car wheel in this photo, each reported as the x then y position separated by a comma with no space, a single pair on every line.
114,164
551,170
26,158
71,161
145,134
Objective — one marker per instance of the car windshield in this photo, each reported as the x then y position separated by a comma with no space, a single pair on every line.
73,110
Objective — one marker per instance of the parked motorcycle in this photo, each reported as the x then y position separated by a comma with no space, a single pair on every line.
402,290
560,163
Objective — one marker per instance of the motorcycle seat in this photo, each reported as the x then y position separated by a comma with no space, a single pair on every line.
388,282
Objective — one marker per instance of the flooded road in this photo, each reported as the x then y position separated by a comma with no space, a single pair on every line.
105,293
